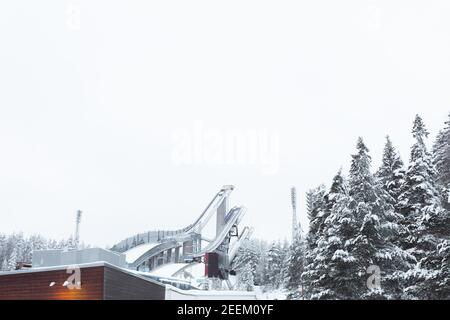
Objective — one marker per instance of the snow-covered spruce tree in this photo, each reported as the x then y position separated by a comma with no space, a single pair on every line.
12,259
275,259
316,206
391,173
34,242
419,195
357,236
377,227
3,257
317,253
245,279
431,278
441,161
338,188
314,198
4,266
11,248
51,244
247,259
426,220
295,269
334,272
286,257
261,273
391,177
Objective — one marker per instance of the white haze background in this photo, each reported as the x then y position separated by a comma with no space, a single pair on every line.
92,93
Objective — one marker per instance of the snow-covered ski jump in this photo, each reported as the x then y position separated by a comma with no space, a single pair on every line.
165,254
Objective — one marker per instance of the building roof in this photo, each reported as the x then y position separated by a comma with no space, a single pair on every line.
81,266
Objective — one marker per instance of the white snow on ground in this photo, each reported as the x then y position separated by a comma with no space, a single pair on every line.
196,270
191,272
173,293
195,273
135,253
270,295
168,270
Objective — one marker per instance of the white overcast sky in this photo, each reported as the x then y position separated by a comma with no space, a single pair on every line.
92,92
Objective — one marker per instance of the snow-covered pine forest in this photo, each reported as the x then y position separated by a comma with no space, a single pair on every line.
16,248
376,233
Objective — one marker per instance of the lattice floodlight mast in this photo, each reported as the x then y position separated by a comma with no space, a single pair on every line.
294,212
77,229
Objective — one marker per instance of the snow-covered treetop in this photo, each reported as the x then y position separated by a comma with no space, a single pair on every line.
419,130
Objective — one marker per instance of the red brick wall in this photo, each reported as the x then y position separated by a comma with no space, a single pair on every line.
36,285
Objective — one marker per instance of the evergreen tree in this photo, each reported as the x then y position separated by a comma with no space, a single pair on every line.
418,188
356,237
431,278
391,174
69,244
245,279
4,266
16,248
261,274
317,250
338,275
51,244
426,221
247,258
316,206
338,187
286,258
441,161
391,177
295,269
378,225
3,250
12,260
275,259
314,200
419,196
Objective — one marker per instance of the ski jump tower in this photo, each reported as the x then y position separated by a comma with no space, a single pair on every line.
190,245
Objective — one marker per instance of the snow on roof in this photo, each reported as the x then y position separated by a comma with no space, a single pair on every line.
135,253
56,268
168,270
